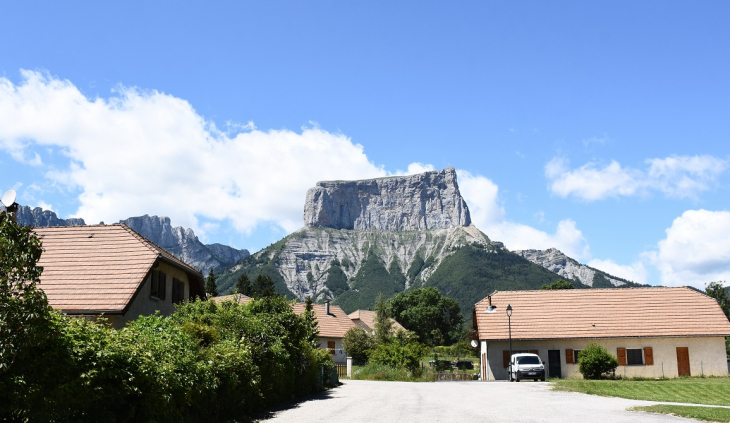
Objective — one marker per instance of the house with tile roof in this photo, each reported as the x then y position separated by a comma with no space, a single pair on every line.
112,270
333,325
366,320
654,332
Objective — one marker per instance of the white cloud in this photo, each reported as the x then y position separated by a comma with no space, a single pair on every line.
482,196
677,177
696,250
148,152
415,168
635,272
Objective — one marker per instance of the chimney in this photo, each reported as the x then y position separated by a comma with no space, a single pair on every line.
489,299
327,307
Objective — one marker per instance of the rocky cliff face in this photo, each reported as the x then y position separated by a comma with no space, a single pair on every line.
427,201
38,217
184,244
557,262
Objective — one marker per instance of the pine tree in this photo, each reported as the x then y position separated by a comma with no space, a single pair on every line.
263,286
210,288
383,324
310,319
243,285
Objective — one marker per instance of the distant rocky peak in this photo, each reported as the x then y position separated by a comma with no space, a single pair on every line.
425,201
37,217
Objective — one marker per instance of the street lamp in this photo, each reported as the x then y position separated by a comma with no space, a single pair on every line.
509,320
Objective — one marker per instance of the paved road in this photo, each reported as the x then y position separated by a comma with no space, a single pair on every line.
382,402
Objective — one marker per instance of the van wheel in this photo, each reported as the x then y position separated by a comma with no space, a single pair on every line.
517,380
542,379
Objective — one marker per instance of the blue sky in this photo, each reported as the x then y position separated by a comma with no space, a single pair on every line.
600,128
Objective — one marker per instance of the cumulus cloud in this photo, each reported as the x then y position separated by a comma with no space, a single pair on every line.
676,177
482,196
696,249
143,152
635,272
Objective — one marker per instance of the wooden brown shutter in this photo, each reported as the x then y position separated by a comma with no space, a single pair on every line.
331,346
568,356
621,353
648,356
505,358
162,286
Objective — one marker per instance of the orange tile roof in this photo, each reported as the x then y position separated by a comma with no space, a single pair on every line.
333,326
366,319
601,313
242,299
99,268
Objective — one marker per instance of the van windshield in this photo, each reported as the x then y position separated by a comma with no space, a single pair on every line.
530,359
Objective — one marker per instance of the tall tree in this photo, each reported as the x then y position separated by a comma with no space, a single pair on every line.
243,285
383,324
435,318
210,287
310,320
263,286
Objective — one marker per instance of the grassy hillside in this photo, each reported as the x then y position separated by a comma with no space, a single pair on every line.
474,271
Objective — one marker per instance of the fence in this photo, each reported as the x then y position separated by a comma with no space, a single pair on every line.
341,370
453,377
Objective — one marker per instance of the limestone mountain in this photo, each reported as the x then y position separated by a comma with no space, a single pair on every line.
364,238
555,261
179,241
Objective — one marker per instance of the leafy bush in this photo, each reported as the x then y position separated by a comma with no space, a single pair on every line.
401,352
435,318
358,343
594,361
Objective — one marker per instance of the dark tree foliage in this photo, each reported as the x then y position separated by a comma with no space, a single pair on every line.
243,285
263,286
435,318
559,284
210,287
383,324
717,291
310,320
415,268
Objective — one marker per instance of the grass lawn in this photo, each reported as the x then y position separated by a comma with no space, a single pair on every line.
693,390
710,414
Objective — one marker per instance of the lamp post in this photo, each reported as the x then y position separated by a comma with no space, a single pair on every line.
509,320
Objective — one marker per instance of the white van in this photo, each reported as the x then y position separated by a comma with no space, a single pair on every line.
526,366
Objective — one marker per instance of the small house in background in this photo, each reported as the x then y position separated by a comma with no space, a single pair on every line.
333,325
112,270
654,332
366,320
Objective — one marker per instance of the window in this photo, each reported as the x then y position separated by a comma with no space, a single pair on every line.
158,285
178,291
634,356
331,347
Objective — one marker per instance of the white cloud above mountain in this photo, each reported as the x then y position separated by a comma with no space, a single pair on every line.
148,152
696,249
675,177
635,272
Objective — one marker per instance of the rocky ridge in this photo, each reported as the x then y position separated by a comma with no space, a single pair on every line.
38,217
557,262
426,201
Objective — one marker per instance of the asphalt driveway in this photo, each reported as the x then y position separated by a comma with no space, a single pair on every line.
367,401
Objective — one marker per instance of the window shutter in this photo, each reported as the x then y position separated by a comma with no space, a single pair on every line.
621,352
162,285
331,346
568,356
154,283
175,291
648,356
505,358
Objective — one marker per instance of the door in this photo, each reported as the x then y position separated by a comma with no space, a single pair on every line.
554,369
683,361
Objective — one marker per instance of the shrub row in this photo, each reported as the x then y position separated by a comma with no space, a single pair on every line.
206,362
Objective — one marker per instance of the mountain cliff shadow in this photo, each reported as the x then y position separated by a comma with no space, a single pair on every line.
296,403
